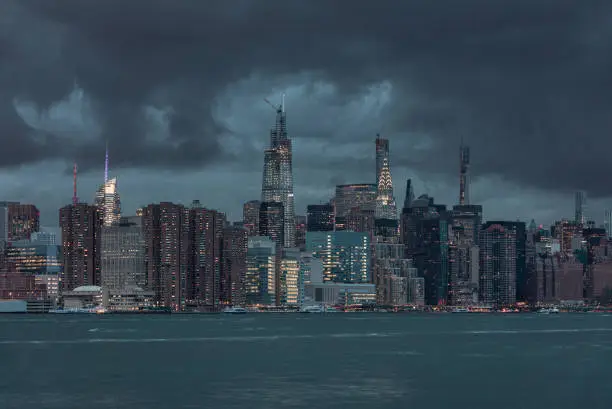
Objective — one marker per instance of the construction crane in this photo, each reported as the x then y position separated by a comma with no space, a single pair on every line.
279,108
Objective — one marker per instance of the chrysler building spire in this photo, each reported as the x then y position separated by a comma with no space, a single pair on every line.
385,202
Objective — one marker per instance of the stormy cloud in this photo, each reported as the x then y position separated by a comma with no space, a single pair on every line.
179,86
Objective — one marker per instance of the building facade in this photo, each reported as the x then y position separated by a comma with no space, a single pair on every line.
22,220
123,255
166,235
234,265
362,195
498,264
260,280
424,232
39,257
81,226
346,256
108,201
320,217
250,217
385,200
205,247
277,185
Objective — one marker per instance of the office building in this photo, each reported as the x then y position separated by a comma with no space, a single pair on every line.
498,263
424,232
271,224
463,254
385,201
277,185
311,272
260,281
409,197
320,217
392,271
21,220
290,278
346,255
360,220
123,255
343,294
107,198
361,195
39,257
108,201
250,217
300,232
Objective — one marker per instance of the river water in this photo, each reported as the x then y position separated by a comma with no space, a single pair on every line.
254,361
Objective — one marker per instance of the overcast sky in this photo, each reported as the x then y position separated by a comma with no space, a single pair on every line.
177,89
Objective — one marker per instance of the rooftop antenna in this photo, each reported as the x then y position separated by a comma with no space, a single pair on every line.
75,199
283,102
106,164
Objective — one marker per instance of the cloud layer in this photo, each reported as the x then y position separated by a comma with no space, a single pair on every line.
178,86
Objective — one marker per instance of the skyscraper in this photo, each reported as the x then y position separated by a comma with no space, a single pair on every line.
81,233
290,278
580,206
122,255
271,224
166,235
409,194
205,252
385,201
320,217
23,220
250,217
107,198
233,265
346,255
260,281
362,195
464,177
300,231
4,225
425,235
360,220
277,183
498,263
608,222
463,259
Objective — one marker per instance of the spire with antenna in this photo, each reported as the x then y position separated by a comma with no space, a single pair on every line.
75,199
283,102
106,164
464,177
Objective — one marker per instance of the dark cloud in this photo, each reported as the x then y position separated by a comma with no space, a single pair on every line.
525,82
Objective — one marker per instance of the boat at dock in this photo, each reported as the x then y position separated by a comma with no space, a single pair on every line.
95,310
235,310
548,311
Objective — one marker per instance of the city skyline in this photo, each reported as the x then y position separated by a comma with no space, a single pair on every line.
198,130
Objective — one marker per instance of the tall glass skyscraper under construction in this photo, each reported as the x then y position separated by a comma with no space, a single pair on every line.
277,183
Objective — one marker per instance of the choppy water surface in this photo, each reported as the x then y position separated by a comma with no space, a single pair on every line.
306,361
